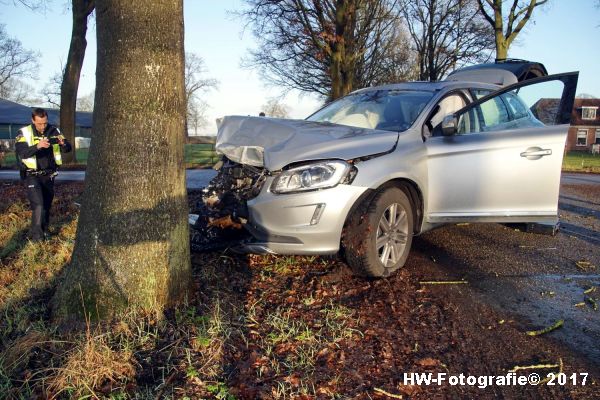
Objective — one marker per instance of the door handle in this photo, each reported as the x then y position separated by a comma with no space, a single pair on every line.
535,153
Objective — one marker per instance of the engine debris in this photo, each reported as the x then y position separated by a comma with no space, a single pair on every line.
223,212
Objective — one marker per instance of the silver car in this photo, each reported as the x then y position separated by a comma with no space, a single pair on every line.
367,172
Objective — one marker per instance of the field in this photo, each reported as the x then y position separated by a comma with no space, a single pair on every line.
576,161
196,155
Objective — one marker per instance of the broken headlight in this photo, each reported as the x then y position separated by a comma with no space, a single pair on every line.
321,175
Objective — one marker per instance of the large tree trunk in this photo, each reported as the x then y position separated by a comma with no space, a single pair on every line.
70,83
132,245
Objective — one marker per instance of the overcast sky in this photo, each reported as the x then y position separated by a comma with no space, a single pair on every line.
564,37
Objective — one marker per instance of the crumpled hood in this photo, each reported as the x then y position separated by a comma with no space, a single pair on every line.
274,143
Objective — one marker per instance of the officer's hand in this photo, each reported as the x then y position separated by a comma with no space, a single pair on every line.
44,143
61,140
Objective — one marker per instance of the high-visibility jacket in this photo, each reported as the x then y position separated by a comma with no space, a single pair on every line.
32,139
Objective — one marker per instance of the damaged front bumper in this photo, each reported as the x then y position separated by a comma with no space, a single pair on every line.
299,223
259,221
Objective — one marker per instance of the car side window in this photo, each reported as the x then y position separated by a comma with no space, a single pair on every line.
533,103
487,116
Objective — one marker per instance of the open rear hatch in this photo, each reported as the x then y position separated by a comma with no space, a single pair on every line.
502,72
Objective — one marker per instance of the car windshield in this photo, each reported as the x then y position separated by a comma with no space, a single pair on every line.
390,110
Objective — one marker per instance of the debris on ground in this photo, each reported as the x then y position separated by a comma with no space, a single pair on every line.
554,326
274,327
592,302
590,290
585,265
388,394
222,211
537,366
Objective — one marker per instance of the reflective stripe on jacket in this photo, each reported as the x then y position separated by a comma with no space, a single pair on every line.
31,139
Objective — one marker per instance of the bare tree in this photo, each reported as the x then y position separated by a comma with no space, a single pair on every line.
329,47
519,13
275,108
446,34
196,83
20,92
16,62
51,90
86,103
81,10
31,4
196,116
132,245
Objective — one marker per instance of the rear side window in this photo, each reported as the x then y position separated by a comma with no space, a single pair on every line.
516,107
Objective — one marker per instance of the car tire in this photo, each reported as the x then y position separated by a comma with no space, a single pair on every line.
378,235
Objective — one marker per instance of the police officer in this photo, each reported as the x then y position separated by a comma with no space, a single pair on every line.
38,148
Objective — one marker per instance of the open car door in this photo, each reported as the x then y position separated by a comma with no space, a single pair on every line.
499,158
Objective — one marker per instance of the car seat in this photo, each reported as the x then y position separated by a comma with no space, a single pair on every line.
393,116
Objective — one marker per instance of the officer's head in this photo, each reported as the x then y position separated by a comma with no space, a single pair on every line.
39,118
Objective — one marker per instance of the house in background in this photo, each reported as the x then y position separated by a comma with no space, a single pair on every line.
584,132
14,116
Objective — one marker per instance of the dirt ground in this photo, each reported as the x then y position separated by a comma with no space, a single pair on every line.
305,328
516,282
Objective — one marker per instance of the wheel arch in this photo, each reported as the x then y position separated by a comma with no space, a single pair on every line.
409,187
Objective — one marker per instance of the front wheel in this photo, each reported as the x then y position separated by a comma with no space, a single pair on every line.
378,234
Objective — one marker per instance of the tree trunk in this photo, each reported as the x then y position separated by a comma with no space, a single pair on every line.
519,14
431,50
501,48
70,83
132,244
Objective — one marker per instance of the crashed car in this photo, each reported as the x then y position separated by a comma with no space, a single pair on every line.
369,171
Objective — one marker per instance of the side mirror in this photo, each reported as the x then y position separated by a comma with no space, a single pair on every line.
449,125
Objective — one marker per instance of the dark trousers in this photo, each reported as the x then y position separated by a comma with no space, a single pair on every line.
40,191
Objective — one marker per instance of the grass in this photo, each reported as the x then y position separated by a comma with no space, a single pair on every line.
200,154
195,155
579,161
38,361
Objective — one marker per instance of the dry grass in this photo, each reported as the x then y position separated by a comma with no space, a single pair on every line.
18,354
90,366
136,356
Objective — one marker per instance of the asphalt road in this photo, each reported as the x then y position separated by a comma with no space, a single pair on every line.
198,178
195,178
532,280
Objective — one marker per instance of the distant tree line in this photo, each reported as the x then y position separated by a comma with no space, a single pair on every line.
331,47
323,47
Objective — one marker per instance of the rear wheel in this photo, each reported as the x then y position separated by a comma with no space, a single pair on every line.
378,235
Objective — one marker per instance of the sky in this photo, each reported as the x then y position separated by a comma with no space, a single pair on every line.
563,36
